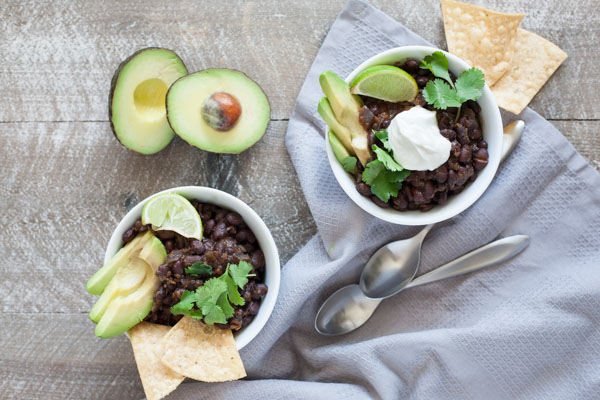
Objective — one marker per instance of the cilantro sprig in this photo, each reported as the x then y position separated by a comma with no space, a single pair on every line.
384,175
198,268
443,92
213,301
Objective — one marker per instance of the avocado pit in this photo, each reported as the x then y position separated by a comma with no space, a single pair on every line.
221,111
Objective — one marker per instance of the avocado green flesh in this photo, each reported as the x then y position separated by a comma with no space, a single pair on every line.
346,107
129,297
98,282
137,106
127,279
338,148
184,110
124,312
341,132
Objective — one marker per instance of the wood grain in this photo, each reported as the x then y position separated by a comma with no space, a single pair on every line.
65,182
70,184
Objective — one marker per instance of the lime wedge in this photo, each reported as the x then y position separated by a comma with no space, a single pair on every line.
385,82
173,212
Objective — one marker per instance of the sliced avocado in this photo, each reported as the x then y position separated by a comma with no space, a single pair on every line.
137,109
218,110
124,312
128,307
99,281
346,107
128,278
338,148
341,132
154,253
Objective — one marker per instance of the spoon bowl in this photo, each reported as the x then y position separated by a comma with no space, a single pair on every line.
393,266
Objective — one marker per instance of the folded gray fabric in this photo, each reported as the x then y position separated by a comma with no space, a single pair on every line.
526,329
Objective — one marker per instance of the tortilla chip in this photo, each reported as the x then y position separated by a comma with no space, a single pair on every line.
201,352
483,38
158,380
537,60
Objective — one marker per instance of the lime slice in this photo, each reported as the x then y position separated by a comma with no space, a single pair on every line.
385,82
172,212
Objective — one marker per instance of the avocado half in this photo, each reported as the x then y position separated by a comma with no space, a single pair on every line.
136,107
218,110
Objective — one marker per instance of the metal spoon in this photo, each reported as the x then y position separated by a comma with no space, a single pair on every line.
348,308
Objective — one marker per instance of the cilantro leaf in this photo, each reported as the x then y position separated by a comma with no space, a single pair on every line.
185,304
383,136
387,160
240,273
232,293
198,268
210,291
349,164
225,306
469,84
213,313
437,63
384,183
440,95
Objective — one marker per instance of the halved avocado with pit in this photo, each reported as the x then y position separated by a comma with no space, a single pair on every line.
137,109
218,110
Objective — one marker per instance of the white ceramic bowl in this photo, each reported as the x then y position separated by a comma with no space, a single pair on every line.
492,132
256,225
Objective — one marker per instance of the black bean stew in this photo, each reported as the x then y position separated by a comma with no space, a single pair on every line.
422,190
227,240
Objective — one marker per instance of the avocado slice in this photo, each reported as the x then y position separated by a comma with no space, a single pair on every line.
99,281
340,152
128,278
136,107
124,312
341,132
346,107
218,110
128,307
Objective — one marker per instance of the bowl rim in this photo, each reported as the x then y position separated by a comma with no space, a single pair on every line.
460,201
256,225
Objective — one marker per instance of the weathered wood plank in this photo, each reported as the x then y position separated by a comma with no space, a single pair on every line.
585,137
58,56
69,184
57,356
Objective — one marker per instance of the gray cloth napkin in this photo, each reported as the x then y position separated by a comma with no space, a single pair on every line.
526,329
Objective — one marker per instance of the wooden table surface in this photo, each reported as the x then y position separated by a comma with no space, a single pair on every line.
65,182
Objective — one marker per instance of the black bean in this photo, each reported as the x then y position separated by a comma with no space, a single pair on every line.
363,189
219,231
138,225
411,66
422,81
169,245
379,202
208,227
258,259
189,260
220,215
253,308
461,134
178,267
259,290
234,218
479,164
165,235
197,247
465,155
128,235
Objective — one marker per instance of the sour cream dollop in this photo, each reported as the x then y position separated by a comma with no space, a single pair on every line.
416,140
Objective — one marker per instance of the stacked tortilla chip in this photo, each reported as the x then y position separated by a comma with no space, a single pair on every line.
165,356
516,62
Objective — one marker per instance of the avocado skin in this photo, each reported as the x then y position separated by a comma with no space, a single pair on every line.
341,132
338,148
230,69
115,78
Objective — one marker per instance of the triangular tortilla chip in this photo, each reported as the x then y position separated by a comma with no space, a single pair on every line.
483,38
158,380
538,59
201,352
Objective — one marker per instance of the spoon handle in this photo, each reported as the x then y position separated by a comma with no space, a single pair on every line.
488,255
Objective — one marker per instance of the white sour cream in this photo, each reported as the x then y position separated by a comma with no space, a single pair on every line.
416,140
